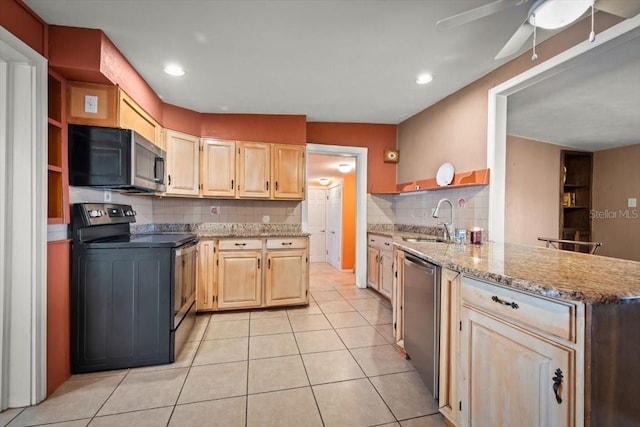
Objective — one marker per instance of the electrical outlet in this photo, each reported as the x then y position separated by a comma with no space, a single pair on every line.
290,210
107,196
266,219
91,104
215,210
632,202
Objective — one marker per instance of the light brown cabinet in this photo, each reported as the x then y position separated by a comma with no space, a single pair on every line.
287,277
218,177
449,344
109,106
206,276
513,371
287,171
183,159
380,264
239,277
238,273
254,170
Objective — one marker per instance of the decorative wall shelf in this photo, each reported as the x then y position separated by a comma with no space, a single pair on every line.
463,179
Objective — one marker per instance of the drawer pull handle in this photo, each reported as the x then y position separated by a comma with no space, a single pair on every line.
287,243
557,383
241,244
510,304
387,243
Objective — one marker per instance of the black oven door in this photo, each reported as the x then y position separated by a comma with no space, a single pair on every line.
184,281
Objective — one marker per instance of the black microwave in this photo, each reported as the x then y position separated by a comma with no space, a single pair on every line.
113,158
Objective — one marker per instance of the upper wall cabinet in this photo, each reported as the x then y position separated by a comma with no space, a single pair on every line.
287,173
183,159
218,176
109,106
253,163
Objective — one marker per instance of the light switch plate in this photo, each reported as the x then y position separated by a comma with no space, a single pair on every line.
91,104
107,196
632,202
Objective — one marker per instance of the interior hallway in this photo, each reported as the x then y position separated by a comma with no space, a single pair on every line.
328,364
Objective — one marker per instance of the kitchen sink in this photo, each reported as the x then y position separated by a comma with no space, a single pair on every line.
424,239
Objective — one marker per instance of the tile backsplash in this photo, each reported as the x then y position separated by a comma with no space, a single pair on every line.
167,210
471,207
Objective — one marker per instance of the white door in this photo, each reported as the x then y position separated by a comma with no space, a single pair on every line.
317,199
334,225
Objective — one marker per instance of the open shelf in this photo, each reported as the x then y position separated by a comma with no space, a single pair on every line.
463,179
575,198
57,180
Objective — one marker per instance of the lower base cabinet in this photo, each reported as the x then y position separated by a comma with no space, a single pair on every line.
238,273
286,277
512,371
239,279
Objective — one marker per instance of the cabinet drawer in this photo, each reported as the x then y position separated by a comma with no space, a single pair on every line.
287,243
239,244
380,242
554,317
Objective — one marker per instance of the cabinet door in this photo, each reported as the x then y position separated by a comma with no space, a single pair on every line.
286,277
509,376
287,168
182,163
218,168
386,273
239,279
254,171
205,275
373,267
132,116
449,344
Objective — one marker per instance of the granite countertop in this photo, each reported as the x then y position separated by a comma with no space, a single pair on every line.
249,234
564,275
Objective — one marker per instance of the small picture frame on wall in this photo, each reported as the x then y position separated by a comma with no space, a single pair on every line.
391,156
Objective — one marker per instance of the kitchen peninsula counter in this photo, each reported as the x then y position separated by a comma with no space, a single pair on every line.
553,273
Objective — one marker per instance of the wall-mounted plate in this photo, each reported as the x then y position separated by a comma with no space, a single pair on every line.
445,174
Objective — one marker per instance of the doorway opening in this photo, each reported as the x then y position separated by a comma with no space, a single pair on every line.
356,156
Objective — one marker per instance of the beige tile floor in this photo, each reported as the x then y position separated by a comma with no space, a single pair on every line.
329,364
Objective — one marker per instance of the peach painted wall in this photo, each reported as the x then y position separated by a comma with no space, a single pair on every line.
23,23
181,119
532,191
278,128
455,129
381,176
348,221
58,315
88,55
616,178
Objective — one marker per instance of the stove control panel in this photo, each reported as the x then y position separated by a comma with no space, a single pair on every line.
90,214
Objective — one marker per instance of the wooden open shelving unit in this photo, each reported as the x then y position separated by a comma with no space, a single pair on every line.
575,198
58,185
463,179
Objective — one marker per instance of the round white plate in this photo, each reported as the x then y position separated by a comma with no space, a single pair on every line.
445,174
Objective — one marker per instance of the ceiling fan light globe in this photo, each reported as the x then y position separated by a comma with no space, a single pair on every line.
554,14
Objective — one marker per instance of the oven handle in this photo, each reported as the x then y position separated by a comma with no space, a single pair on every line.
186,248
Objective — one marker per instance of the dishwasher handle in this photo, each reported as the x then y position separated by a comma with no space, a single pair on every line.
421,264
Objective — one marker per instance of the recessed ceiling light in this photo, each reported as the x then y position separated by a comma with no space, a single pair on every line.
324,181
344,168
174,70
423,79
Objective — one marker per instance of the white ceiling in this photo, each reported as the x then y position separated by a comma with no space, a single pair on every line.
326,166
590,106
338,60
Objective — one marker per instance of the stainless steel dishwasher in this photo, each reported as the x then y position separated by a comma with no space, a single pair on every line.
422,318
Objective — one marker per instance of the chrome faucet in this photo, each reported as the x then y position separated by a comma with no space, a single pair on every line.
448,227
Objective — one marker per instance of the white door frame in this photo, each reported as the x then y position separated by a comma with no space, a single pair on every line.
497,112
23,223
360,153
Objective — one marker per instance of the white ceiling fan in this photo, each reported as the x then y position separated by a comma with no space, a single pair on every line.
547,14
